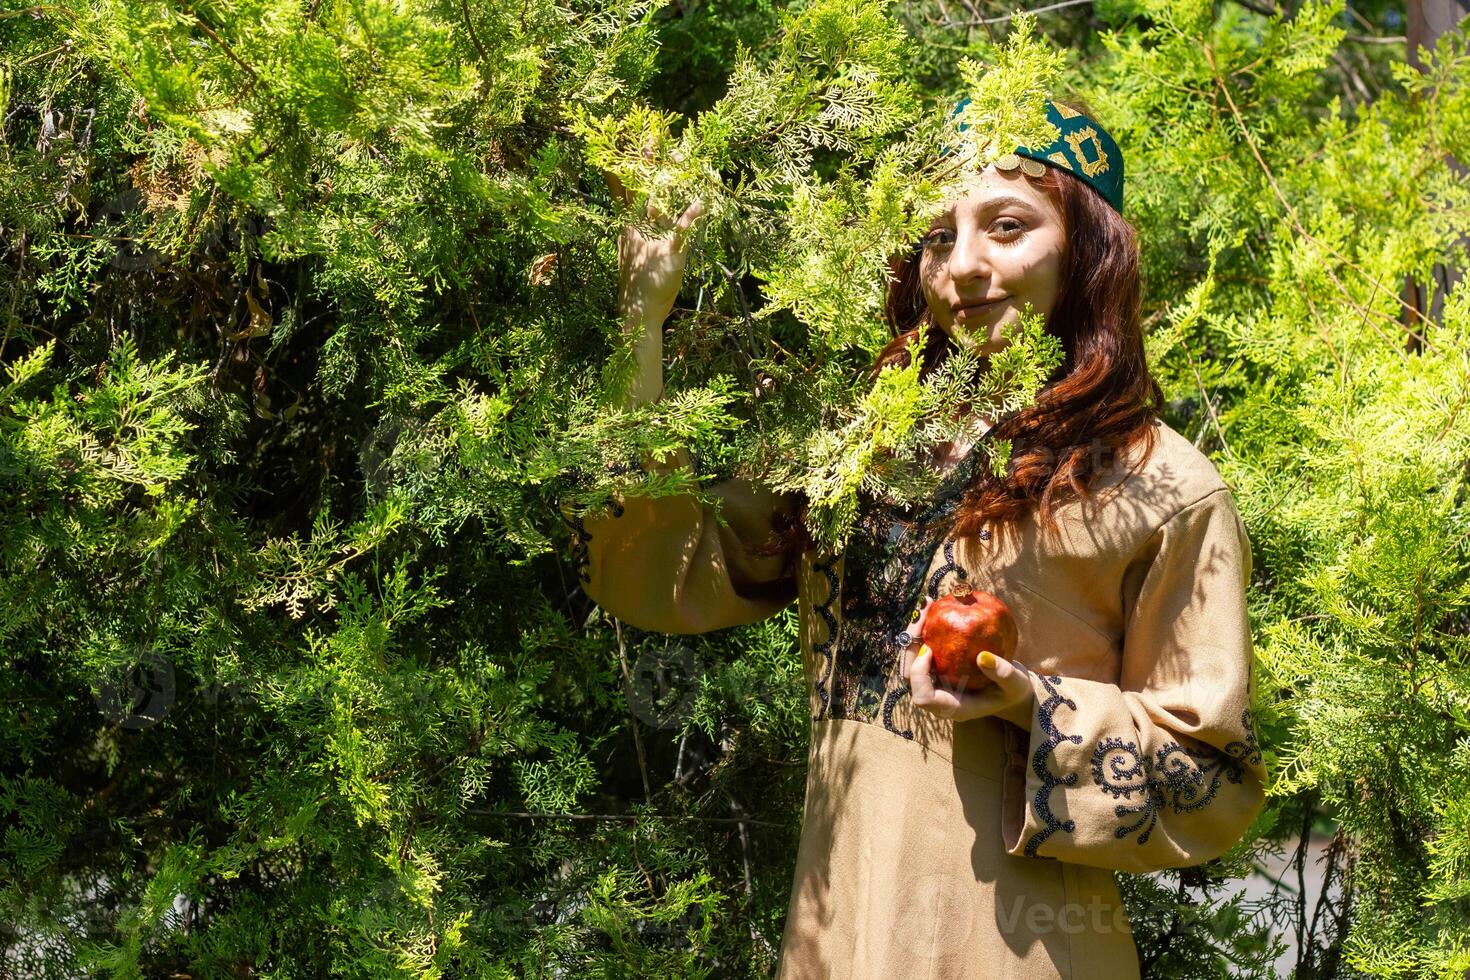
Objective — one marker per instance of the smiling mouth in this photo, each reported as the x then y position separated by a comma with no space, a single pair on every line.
971,310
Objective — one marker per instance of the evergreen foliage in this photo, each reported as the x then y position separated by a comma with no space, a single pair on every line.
309,328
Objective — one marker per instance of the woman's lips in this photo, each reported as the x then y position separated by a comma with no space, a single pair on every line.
972,310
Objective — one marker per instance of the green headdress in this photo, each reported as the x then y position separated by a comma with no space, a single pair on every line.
1082,148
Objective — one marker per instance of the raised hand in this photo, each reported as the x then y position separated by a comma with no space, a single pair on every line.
651,270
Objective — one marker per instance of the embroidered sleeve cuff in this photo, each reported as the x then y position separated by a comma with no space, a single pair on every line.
1097,781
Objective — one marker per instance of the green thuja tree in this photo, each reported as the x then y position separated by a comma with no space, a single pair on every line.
1287,222
309,334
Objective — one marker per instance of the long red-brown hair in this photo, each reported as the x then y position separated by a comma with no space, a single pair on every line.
1100,401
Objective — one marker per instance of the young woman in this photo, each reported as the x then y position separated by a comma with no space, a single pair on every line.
957,835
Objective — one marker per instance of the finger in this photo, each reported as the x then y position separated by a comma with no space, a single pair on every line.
986,702
994,666
941,704
908,637
1008,675
915,629
656,214
691,214
686,221
945,704
922,691
1021,678
921,685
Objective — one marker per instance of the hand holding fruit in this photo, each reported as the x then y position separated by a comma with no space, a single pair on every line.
957,627
954,635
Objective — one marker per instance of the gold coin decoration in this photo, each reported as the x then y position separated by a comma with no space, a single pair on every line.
1031,167
1009,161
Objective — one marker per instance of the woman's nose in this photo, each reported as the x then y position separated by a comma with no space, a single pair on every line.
970,258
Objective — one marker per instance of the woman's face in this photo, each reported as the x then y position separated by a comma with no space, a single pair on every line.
999,247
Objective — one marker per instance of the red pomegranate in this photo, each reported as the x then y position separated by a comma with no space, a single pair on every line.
958,626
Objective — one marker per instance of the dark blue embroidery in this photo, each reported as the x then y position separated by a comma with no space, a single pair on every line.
1054,737
1185,772
888,705
828,648
1131,773
945,569
1249,750
1184,778
888,556
581,557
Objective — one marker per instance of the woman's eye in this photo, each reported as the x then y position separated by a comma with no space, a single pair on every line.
1006,227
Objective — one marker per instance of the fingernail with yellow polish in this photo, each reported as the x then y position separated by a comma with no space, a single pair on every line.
986,660
924,648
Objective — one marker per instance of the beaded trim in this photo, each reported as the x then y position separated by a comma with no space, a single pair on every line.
948,566
1131,773
581,555
581,559
1250,749
828,649
889,703
1184,778
1054,737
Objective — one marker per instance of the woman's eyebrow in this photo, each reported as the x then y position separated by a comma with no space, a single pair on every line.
991,204
1005,201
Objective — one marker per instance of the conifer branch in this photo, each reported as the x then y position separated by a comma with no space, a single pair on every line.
224,46
1301,229
1004,18
626,817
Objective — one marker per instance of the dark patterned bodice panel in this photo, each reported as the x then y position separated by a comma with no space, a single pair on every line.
886,575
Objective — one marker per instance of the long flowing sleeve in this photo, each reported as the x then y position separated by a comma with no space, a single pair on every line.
667,565
1161,769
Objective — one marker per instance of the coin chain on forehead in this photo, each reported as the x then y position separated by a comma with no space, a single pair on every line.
1029,167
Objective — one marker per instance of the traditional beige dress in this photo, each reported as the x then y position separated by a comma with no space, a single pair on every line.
938,849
